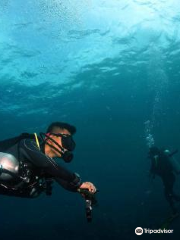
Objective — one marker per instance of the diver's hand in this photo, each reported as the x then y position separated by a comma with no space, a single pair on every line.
88,185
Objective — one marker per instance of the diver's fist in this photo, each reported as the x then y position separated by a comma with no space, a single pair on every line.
89,186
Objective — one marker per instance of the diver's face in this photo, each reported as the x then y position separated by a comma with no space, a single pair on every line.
58,139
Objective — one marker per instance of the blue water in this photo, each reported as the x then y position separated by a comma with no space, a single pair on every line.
111,68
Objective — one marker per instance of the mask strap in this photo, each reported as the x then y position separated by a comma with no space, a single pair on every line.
47,136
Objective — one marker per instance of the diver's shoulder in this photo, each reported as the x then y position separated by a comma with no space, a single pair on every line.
27,142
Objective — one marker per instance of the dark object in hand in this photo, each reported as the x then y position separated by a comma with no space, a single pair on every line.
90,202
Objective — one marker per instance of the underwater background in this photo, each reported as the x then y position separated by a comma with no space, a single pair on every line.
112,69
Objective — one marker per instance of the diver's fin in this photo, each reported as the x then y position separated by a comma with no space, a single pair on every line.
166,224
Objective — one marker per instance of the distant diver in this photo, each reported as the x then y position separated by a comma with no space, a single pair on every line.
165,166
28,165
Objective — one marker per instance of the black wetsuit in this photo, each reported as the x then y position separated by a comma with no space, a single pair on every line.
161,166
36,170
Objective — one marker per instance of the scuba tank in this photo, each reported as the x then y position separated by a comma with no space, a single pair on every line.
9,167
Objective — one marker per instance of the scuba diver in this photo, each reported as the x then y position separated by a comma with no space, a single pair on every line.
28,165
165,166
